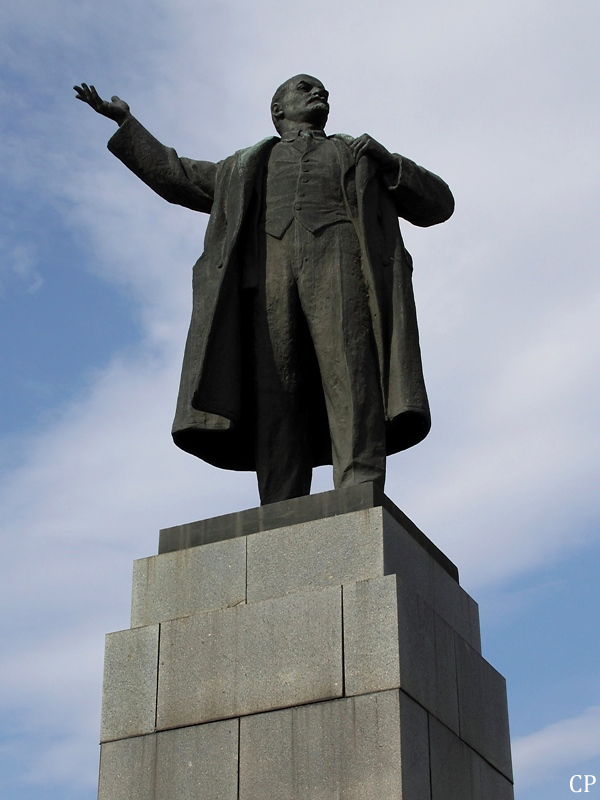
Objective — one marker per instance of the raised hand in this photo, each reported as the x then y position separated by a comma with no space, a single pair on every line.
116,109
365,145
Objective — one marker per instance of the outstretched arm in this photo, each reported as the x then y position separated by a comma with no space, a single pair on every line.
420,196
183,181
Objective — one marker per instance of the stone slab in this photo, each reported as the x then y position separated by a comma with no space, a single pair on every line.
352,547
404,556
348,749
292,512
313,555
251,658
483,708
186,581
392,638
474,638
490,783
459,773
415,758
130,681
183,764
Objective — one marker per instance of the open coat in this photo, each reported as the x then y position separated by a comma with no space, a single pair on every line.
214,419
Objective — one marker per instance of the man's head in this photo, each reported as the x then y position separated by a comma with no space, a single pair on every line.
300,102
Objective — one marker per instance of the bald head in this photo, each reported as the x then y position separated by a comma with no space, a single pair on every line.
300,102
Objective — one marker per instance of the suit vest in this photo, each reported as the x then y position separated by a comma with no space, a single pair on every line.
306,186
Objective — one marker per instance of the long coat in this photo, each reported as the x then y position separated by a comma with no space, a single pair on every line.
214,419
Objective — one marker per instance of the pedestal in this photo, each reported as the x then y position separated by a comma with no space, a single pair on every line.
316,649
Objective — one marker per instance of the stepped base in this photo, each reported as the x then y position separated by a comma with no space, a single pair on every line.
333,657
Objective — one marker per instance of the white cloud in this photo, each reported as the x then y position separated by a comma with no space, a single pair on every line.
565,744
89,498
19,264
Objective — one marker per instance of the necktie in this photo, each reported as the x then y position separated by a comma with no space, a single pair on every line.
303,141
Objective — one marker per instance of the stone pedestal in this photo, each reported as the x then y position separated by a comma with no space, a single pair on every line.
317,649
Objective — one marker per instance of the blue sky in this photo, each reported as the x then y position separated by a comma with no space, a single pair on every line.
500,99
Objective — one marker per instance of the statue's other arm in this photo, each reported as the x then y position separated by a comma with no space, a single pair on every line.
183,181
420,196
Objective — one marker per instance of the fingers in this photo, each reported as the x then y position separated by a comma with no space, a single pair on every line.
81,93
365,145
95,97
89,95
360,146
360,140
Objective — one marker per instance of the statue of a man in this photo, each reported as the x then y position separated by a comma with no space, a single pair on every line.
303,346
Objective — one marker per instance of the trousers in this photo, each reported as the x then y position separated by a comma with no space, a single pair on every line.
312,302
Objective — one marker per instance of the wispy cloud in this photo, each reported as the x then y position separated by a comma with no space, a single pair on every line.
102,486
568,743
19,264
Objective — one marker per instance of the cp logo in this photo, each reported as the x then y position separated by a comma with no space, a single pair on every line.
588,780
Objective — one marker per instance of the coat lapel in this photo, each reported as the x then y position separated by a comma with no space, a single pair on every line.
247,164
252,158
365,169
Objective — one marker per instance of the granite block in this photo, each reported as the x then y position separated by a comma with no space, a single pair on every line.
483,709
313,555
392,638
459,773
489,783
427,657
130,681
414,740
451,765
248,659
348,749
353,547
404,556
293,512
184,764
186,581
371,646
475,629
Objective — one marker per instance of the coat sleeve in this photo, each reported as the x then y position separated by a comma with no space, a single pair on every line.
420,196
182,181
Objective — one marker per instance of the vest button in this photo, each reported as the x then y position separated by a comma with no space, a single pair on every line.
298,206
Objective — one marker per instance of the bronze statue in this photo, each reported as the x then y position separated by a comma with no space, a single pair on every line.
303,346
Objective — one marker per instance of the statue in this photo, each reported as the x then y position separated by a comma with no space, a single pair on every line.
303,346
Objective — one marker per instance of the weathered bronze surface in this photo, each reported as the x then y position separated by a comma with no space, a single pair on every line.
303,347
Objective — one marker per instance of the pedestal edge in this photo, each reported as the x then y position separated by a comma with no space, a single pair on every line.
292,512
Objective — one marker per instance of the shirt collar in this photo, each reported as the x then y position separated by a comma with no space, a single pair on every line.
292,135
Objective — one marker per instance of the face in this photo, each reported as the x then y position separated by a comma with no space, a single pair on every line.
304,100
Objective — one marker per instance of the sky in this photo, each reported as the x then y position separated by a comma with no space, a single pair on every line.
500,98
